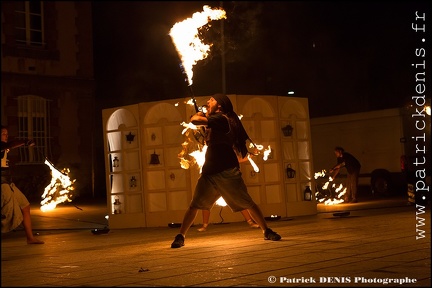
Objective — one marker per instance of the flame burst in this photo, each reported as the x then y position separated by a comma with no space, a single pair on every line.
336,193
192,152
58,191
187,42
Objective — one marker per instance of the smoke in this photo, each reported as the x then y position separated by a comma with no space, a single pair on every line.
243,30
237,34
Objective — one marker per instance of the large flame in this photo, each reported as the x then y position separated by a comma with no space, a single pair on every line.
336,192
199,156
58,191
185,36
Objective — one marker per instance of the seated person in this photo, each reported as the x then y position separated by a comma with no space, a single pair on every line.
15,208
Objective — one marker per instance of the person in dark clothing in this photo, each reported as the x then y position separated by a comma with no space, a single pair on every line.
221,175
352,165
15,208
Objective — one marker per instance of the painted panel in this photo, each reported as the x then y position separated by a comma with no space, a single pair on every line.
155,180
273,194
157,202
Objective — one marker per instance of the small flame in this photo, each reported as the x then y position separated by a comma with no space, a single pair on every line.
221,202
255,167
333,201
58,191
257,146
320,174
192,152
199,156
325,186
188,126
267,153
185,37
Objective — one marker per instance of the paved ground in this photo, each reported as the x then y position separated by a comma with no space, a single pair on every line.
381,241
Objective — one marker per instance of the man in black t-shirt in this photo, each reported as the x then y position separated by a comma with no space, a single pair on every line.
352,165
221,175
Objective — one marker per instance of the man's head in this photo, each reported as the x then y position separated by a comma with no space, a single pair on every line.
223,103
338,151
4,134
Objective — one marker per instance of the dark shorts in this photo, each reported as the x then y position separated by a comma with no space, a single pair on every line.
229,184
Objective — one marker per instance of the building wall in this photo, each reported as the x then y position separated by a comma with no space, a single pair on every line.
61,72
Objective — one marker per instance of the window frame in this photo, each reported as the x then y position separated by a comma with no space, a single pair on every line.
33,123
10,47
33,24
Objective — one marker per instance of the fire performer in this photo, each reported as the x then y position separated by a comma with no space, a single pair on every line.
221,175
352,165
15,207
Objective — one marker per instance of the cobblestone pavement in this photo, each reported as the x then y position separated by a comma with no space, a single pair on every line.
379,242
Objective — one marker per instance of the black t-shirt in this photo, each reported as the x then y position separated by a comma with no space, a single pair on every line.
220,154
351,163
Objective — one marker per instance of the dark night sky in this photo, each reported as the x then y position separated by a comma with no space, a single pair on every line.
343,56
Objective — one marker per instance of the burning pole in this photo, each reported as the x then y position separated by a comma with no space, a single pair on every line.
200,132
60,187
194,100
58,191
185,36
191,49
